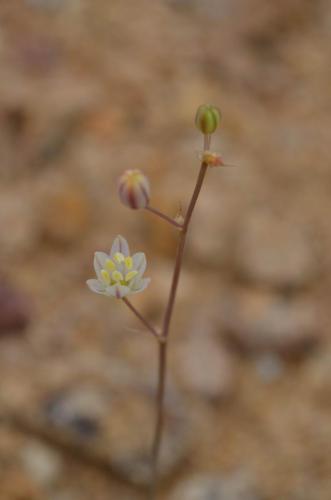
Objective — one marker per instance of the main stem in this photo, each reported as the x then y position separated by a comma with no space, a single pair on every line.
162,346
162,367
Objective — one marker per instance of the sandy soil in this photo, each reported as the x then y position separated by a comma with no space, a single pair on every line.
88,89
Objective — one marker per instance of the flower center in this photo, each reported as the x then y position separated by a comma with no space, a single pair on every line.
119,272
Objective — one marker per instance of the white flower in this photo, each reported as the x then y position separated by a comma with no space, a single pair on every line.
119,274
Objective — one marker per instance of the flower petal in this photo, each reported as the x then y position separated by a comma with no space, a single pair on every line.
120,245
99,262
118,291
140,285
96,286
139,263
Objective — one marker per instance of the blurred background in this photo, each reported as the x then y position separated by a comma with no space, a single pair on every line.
89,88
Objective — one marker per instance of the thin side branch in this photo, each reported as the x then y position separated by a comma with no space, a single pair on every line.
149,327
163,216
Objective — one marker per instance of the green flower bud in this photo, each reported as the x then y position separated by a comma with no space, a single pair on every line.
207,118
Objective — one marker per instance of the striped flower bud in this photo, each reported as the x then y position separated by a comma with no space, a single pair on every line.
133,189
207,118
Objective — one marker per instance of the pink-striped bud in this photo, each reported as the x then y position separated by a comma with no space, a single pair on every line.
133,189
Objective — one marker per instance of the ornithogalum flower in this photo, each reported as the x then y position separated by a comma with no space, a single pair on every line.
119,274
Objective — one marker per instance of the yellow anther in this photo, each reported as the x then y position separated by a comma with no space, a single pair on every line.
105,276
117,276
110,266
119,257
131,275
128,262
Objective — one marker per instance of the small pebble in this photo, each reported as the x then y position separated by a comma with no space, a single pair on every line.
14,310
273,252
258,320
204,367
65,215
215,487
42,462
78,411
18,223
269,367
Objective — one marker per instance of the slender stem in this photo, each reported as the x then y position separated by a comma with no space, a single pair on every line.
180,250
165,330
162,369
142,319
206,142
163,216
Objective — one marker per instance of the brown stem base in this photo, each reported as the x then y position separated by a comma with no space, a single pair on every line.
157,441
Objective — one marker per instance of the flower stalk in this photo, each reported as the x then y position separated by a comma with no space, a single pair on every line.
165,217
146,323
119,274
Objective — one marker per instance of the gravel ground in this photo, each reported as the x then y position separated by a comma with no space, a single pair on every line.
88,89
